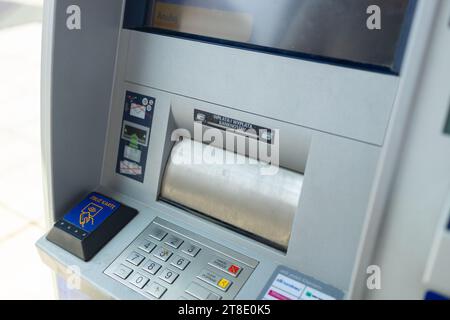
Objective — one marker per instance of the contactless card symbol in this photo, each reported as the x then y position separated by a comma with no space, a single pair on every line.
88,214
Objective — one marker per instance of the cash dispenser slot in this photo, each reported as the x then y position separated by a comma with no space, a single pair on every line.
229,183
238,195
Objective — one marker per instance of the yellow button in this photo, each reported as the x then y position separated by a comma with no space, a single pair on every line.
223,283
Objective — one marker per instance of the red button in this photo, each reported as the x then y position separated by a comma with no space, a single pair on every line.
234,269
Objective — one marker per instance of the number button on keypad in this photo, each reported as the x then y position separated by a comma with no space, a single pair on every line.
157,233
135,258
173,241
156,290
151,267
162,253
191,250
147,246
180,262
123,271
138,280
168,276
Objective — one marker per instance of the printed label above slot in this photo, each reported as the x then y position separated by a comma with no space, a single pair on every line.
247,129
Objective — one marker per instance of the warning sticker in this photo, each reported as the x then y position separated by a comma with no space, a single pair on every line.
237,126
135,135
288,284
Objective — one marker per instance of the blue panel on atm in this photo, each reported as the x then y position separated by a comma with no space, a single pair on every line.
91,212
90,224
434,296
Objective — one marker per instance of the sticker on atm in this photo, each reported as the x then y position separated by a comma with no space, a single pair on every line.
91,212
138,111
236,126
289,284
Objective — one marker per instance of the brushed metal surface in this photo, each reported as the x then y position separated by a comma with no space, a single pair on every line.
237,194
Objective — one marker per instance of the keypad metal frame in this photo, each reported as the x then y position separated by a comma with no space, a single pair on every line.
209,251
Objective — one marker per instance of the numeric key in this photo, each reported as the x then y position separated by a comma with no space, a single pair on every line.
168,276
180,262
162,253
151,267
147,246
138,280
135,258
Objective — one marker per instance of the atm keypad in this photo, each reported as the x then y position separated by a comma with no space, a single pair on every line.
170,263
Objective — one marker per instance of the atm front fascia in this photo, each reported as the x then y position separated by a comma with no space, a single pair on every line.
115,90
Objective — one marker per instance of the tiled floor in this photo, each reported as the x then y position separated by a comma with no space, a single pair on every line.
22,274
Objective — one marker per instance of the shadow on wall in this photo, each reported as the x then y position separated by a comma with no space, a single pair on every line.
13,14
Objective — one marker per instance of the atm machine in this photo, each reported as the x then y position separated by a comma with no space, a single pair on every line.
288,150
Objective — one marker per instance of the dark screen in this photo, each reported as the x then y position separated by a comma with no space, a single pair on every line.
333,29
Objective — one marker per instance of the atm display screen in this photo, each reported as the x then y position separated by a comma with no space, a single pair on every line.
368,33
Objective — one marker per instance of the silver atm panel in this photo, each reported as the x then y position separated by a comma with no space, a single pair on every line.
333,121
